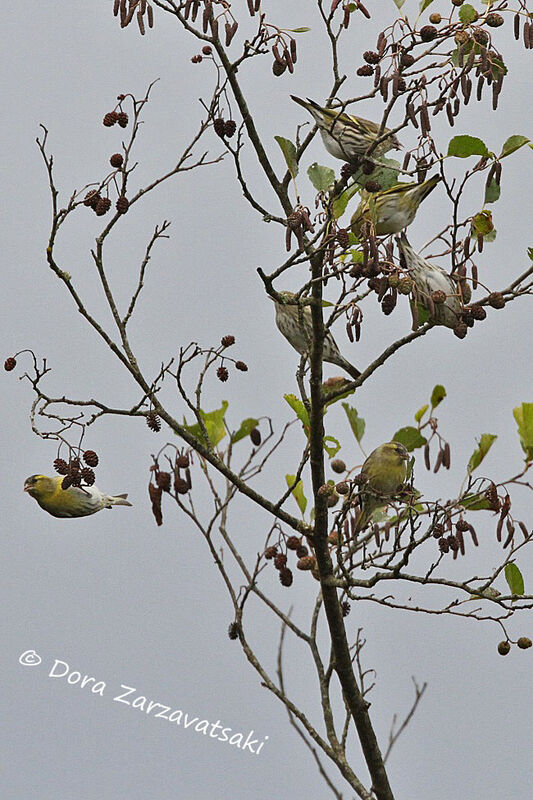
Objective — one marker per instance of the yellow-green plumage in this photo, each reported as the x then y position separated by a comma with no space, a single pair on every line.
393,209
385,472
346,136
72,502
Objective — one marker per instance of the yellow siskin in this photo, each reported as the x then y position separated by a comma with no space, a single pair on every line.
393,209
295,323
72,502
345,136
385,472
429,278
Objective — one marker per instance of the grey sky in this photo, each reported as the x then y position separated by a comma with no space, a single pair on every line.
129,603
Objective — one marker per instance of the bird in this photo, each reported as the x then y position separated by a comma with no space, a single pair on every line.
346,136
430,278
392,209
383,473
295,323
71,502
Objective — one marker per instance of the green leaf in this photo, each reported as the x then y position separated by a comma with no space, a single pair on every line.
297,492
476,502
386,176
301,411
483,446
357,423
247,426
298,30
482,223
513,143
334,385
410,437
339,204
514,579
523,415
492,192
331,450
289,151
420,413
437,395
530,252
214,425
321,177
399,3
467,14
466,49
465,146
424,4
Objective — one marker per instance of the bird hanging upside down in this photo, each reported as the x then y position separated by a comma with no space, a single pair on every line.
71,502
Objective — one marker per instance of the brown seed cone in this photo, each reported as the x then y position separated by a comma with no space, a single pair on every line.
307,562
87,476
233,631
122,119
496,300
122,204
270,552
61,466
337,465
116,160
10,364
524,642
91,199
110,119
293,543
280,560
90,458
503,648
227,341
153,421
219,127
285,576
102,206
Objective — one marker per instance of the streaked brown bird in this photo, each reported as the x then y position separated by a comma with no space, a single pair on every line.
346,136
295,323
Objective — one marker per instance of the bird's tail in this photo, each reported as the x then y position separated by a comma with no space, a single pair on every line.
423,189
350,369
406,247
310,106
118,500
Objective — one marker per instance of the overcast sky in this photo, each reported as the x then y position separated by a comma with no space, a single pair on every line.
126,602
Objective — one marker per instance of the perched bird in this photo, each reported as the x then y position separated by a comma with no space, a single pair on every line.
72,502
345,136
429,278
384,473
295,323
392,209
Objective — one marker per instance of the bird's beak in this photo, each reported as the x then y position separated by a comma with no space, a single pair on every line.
405,457
26,488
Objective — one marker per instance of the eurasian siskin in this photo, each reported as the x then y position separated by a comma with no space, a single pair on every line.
295,323
430,278
71,502
385,472
346,136
393,209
